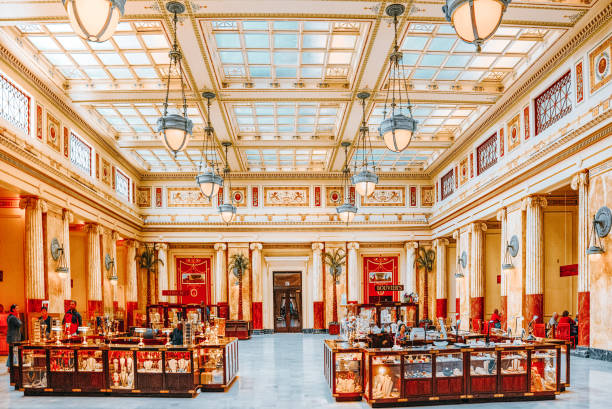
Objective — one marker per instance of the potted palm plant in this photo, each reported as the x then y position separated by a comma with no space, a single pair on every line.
147,260
425,262
334,261
239,264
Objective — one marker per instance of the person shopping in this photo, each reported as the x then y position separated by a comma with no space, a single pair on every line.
13,333
72,319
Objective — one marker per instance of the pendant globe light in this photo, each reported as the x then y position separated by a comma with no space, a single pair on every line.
399,126
346,211
94,20
475,20
175,130
365,181
227,208
208,178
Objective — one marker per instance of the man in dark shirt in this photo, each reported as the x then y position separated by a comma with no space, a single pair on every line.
45,319
72,319
13,333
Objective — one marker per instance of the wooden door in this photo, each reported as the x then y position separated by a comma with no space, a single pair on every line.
287,302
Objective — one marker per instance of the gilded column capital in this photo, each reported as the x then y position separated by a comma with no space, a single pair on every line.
162,246
114,235
131,243
67,214
352,245
317,247
220,246
533,201
456,234
580,179
440,242
501,214
32,203
478,226
93,228
411,245
256,246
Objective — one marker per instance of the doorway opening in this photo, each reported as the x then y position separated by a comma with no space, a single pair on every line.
287,301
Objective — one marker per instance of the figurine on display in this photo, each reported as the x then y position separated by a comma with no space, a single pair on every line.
72,319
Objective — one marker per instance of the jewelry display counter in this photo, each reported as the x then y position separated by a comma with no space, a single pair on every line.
454,373
120,369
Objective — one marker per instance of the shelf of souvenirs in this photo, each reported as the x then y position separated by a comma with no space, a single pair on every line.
160,316
124,369
462,372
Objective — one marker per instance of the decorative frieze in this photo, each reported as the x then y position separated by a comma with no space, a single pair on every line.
186,197
287,196
514,132
386,196
143,197
600,72
53,132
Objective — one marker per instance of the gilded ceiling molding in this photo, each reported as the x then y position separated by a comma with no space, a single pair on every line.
521,88
264,176
58,103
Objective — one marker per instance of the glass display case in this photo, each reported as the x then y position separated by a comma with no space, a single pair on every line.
217,363
33,368
156,317
348,372
483,372
90,360
61,360
543,373
386,376
178,362
121,369
513,370
149,362
418,375
175,314
449,374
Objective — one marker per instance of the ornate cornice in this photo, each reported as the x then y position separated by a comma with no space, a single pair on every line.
337,176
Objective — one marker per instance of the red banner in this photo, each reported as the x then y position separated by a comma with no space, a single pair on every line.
569,270
193,278
379,271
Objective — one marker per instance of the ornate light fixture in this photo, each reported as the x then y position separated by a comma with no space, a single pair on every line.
227,208
57,253
94,20
397,128
175,129
208,179
346,211
475,20
512,248
365,181
109,263
600,228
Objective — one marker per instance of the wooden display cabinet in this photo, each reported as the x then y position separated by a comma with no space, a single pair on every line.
408,313
91,369
218,364
164,315
343,370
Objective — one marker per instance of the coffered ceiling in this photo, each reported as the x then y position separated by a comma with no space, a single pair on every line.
286,74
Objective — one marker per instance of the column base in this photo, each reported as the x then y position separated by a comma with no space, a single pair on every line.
130,306
257,315
477,308
584,318
458,307
33,305
503,311
115,306
318,310
94,308
441,310
534,305
223,310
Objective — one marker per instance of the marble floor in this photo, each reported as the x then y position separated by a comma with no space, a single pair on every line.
286,371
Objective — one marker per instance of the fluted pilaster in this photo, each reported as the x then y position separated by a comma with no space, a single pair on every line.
580,182
534,246
441,284
353,272
477,275
131,279
410,285
501,217
34,257
94,269
162,271
317,273
256,271
113,254
67,218
220,280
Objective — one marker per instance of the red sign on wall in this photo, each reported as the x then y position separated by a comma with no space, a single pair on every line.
568,271
193,278
380,271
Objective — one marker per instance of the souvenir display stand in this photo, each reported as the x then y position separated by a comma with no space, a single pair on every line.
120,369
387,312
343,370
165,315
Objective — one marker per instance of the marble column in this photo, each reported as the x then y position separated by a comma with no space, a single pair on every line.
94,271
441,284
34,252
257,305
162,271
501,217
580,182
457,238
113,254
131,281
221,299
318,305
353,273
67,218
409,281
534,263
477,272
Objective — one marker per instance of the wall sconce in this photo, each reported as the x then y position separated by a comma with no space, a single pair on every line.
461,263
602,222
512,248
57,253
109,263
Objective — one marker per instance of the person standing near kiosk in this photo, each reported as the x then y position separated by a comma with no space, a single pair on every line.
72,319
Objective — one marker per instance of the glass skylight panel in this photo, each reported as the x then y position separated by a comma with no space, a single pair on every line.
521,46
137,58
255,25
110,58
44,43
127,42
447,75
471,75
231,57
432,60
482,62
58,59
85,59
285,40
96,73
441,44
154,41
252,40
414,43
148,73
71,43
314,41
494,46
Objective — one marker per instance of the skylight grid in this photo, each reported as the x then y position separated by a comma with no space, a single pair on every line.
269,51
388,161
138,51
141,118
159,160
433,52
285,119
286,159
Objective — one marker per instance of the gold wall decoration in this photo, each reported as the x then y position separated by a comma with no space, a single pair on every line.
143,197
386,196
296,196
464,171
600,72
514,132
239,195
186,197
334,196
53,132
106,172
427,196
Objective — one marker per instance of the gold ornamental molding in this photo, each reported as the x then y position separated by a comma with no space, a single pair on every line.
265,176
521,88
57,102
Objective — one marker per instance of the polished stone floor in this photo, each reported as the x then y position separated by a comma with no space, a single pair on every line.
286,371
